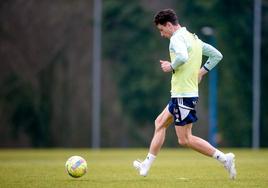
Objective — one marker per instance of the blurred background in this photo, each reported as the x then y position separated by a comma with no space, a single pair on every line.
51,52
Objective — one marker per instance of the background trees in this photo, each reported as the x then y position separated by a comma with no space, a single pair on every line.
45,53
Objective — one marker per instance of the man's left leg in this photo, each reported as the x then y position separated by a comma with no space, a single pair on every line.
186,138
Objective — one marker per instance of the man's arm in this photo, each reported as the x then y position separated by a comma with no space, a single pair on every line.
214,57
179,48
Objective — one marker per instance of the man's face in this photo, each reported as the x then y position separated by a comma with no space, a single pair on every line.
166,31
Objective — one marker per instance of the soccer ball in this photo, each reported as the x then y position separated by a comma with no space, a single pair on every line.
76,166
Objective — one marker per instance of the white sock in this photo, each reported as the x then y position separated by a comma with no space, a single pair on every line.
219,156
149,160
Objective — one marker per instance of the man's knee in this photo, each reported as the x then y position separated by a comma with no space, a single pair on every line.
184,141
158,124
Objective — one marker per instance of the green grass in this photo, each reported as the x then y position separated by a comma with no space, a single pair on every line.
113,168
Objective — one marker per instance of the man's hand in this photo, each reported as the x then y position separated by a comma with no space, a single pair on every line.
166,66
202,72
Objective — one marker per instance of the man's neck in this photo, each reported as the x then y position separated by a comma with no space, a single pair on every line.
177,27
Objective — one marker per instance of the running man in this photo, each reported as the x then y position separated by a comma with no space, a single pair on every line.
186,51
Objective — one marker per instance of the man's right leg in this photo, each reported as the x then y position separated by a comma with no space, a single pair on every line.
161,123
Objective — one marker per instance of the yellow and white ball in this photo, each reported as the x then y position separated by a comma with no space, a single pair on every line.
76,166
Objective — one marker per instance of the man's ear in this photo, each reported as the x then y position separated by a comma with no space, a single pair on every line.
168,24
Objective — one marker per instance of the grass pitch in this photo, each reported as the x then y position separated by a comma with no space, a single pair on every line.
113,168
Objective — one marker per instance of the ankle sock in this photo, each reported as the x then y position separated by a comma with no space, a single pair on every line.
220,156
149,160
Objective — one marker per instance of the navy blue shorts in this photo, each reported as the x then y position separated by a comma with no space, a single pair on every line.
183,110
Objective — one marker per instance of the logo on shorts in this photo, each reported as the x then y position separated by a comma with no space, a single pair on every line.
177,120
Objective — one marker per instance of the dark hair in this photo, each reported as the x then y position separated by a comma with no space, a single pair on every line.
164,16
